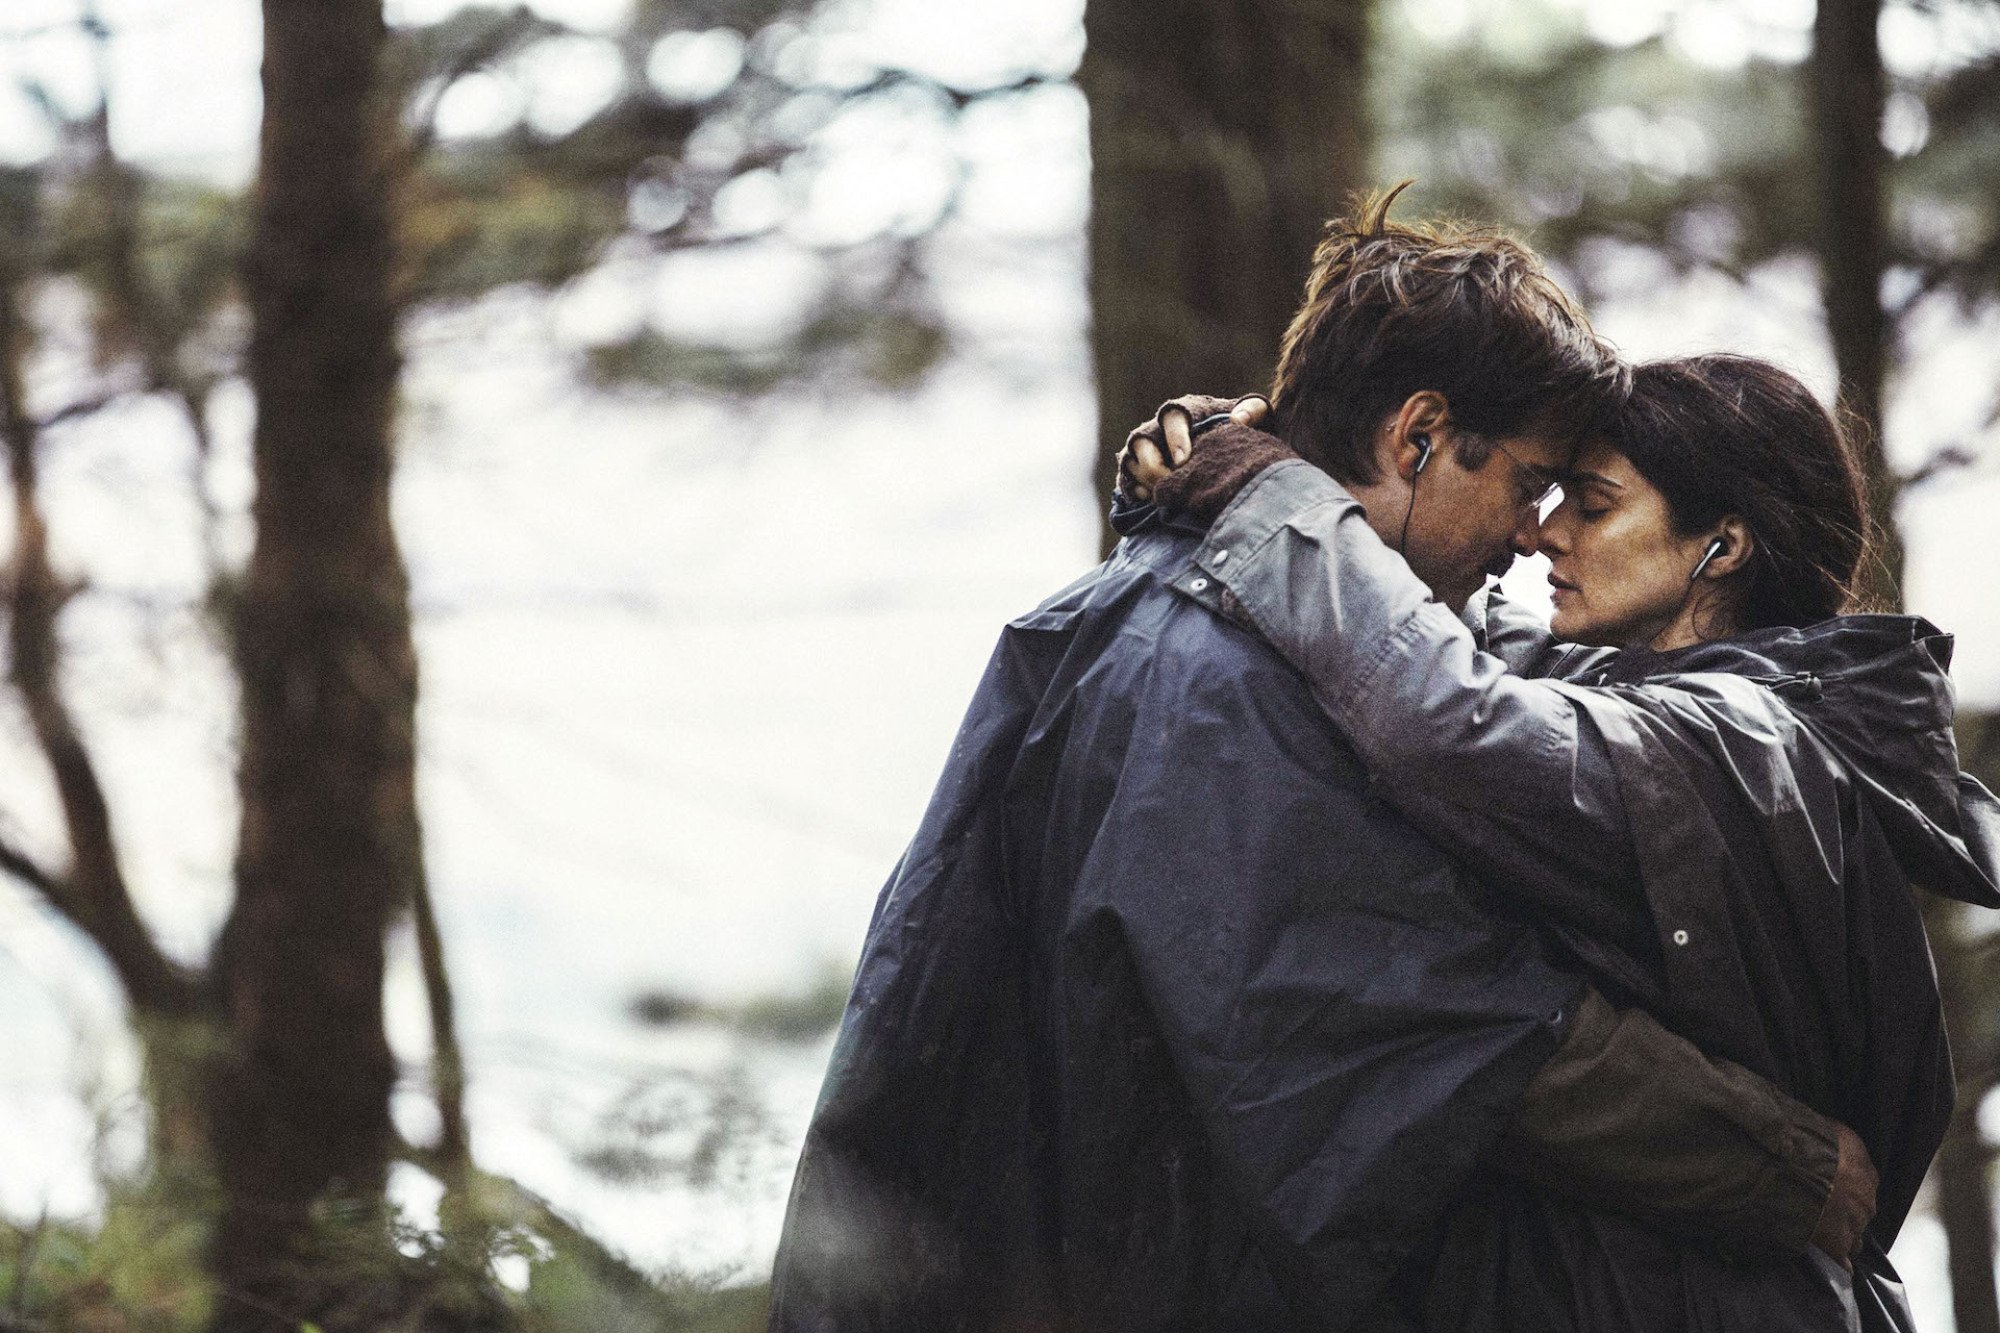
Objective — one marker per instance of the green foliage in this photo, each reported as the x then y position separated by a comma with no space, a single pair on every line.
807,1016
892,348
524,205
651,359
572,1290
20,192
1948,212
159,289
424,58
482,221
138,1269
800,1016
1577,143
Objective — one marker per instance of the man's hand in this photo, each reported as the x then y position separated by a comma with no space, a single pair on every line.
1850,1203
1154,450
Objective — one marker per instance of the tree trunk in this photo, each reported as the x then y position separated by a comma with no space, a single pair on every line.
1964,1166
1847,89
329,833
1223,135
1972,994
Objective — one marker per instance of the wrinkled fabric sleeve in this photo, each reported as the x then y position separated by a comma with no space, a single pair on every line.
1630,1118
1510,773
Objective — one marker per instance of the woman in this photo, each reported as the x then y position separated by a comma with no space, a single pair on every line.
1717,795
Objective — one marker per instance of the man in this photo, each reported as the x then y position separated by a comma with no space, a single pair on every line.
1162,1022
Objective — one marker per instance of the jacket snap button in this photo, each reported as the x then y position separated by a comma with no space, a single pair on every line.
1221,556
1198,585
1680,937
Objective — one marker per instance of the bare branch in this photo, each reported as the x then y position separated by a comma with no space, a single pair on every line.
454,1147
16,862
93,895
1950,458
960,98
82,408
488,48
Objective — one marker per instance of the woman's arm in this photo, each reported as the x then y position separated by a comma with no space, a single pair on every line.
1510,773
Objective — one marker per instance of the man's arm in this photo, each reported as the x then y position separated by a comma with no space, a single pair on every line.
1629,1118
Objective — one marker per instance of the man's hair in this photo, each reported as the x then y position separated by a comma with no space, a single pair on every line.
1395,308
1719,435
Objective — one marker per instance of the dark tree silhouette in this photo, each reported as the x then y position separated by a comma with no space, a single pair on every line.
1222,138
329,842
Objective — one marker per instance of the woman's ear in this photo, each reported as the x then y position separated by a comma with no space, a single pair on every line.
1732,545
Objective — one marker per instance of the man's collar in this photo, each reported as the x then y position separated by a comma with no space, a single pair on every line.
1130,517
1474,614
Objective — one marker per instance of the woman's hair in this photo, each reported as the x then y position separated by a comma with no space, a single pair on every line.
1393,308
1720,435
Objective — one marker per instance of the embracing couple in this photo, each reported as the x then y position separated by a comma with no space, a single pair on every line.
1302,938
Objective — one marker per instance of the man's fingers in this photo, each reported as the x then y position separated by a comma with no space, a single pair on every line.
1251,410
1180,438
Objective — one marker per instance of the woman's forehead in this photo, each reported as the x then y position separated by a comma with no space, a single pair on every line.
1600,460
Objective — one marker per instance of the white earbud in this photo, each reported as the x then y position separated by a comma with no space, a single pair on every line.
1715,548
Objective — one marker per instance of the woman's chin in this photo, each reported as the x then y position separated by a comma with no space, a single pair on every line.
1572,625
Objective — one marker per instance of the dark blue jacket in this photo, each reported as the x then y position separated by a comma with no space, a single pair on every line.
1163,1022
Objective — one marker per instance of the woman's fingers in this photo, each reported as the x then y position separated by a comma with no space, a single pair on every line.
1251,410
1143,462
1180,436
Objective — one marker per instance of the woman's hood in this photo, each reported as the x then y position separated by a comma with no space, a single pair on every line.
1875,689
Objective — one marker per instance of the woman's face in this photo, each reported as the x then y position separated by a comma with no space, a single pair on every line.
1620,573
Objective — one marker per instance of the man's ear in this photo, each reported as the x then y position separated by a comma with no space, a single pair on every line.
1737,543
1416,432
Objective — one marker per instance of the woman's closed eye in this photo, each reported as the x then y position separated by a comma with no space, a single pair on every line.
1593,495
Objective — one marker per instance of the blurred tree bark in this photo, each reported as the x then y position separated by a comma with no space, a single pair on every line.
329,844
1222,137
1972,998
1847,90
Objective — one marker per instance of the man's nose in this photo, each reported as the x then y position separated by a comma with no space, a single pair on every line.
1552,536
1527,538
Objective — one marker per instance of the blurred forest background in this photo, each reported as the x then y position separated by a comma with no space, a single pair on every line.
687,390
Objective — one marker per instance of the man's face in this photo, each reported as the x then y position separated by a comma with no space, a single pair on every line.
1469,523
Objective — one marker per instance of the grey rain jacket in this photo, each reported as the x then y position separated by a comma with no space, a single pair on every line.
1161,1022
1727,835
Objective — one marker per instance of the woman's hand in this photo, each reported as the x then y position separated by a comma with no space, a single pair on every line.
1154,450
1198,454
1850,1203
